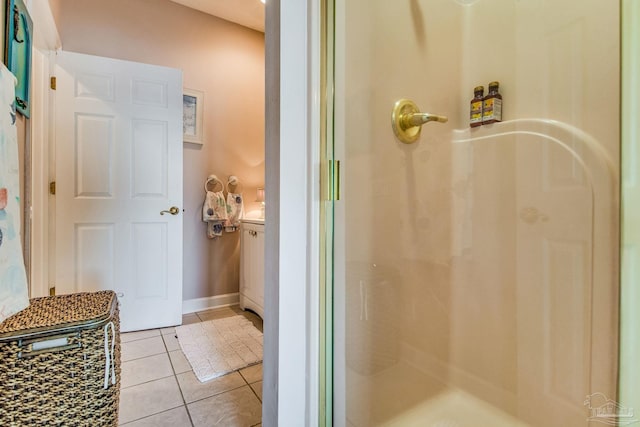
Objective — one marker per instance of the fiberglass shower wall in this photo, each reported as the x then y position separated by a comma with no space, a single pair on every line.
480,266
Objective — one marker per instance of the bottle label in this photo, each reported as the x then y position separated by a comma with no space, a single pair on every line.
492,109
497,109
476,112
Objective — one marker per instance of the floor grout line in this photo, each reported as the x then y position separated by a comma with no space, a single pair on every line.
149,416
138,358
256,394
219,393
139,339
147,382
242,376
175,375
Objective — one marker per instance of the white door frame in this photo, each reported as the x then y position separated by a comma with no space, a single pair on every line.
46,42
41,144
291,383
292,218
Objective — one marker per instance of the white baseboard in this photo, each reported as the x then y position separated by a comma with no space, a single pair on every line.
200,304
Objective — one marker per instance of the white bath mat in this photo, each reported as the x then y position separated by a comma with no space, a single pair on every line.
217,347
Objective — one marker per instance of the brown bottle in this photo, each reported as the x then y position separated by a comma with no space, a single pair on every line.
492,105
476,106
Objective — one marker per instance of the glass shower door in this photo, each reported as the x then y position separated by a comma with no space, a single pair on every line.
475,270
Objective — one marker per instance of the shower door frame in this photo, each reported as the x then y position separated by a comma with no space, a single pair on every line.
338,404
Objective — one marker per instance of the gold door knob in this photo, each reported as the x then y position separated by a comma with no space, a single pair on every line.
173,210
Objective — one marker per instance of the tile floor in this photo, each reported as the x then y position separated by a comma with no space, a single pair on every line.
159,388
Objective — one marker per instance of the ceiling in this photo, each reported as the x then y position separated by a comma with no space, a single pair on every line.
249,13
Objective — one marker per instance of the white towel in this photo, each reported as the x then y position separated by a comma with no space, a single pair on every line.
214,207
214,229
14,293
235,211
214,213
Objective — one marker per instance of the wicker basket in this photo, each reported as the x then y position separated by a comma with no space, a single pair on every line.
55,367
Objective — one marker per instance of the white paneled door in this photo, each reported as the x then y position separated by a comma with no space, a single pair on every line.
118,166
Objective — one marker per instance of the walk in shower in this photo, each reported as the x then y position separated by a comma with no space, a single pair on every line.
475,273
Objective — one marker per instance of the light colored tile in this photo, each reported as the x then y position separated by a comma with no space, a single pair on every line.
218,313
179,362
168,331
142,348
236,309
171,342
257,387
147,369
193,390
253,373
177,417
139,335
149,398
190,318
238,407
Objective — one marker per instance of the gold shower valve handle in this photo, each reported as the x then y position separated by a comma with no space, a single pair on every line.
407,120
418,119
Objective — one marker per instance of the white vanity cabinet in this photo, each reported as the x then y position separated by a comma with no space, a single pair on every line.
252,265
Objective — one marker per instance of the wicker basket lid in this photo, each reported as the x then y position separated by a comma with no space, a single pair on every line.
59,312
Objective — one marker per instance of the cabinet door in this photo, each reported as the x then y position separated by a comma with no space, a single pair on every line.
246,262
258,262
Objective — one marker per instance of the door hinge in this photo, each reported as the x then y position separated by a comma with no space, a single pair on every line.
52,188
52,291
334,179
53,82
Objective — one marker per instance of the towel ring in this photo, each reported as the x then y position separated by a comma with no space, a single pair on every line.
233,180
213,179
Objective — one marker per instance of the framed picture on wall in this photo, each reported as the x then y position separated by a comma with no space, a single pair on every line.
18,41
192,111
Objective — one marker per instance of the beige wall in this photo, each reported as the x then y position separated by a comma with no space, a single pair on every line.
222,59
